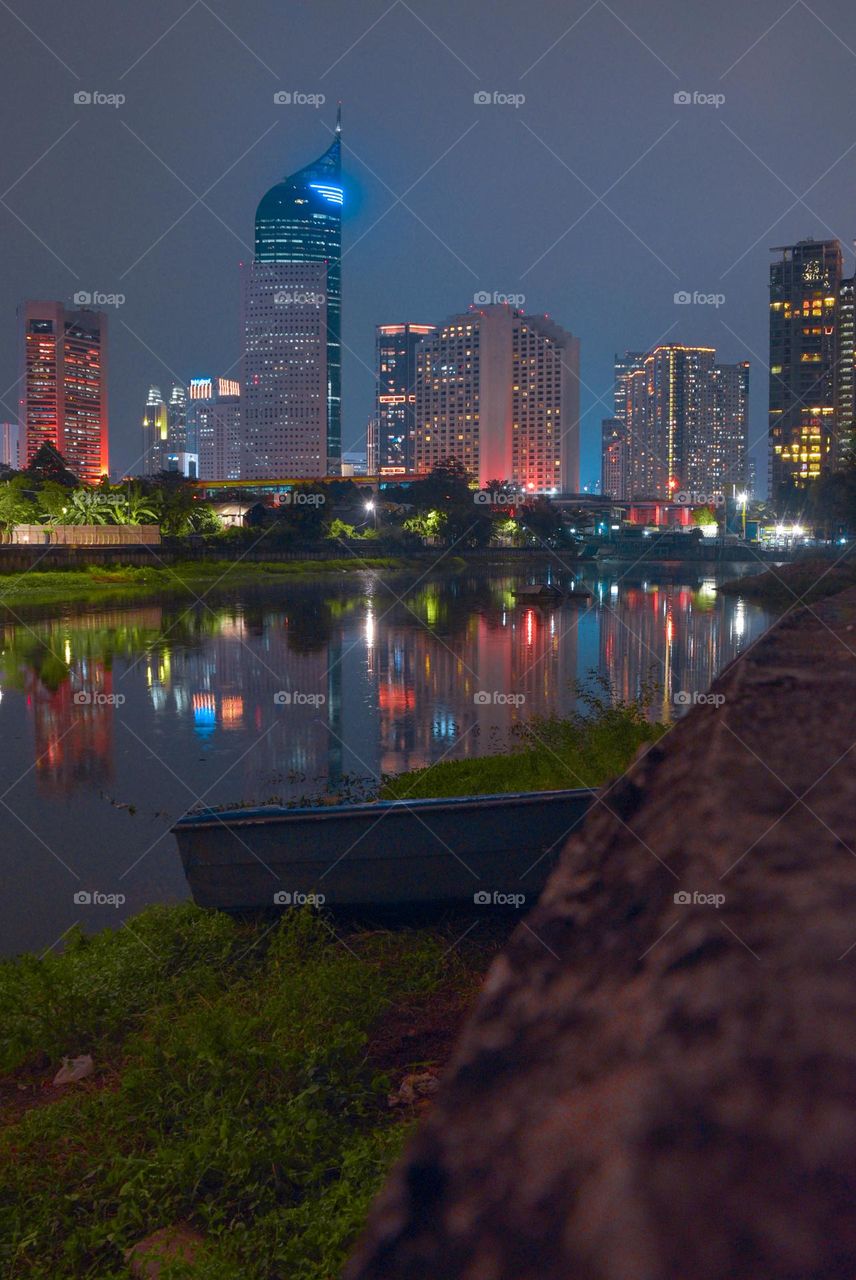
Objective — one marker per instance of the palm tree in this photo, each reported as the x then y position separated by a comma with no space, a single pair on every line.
89,506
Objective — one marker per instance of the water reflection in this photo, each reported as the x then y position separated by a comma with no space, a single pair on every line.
114,722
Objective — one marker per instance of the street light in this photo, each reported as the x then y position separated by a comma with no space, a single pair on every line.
742,500
372,510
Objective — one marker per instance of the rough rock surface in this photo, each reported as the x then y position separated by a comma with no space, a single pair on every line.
657,1090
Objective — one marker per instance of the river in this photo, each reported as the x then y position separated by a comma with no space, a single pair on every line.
115,719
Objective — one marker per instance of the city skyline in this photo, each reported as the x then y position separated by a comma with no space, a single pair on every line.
680,166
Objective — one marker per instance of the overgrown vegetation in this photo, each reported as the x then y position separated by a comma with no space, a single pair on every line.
240,1086
547,752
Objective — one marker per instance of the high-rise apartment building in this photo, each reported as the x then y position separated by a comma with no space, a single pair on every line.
63,384
805,297
684,420
499,391
284,406
728,467
214,423
845,390
299,221
394,426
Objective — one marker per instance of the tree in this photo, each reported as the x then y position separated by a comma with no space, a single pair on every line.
135,507
48,465
15,506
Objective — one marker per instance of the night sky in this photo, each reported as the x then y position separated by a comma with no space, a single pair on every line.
446,197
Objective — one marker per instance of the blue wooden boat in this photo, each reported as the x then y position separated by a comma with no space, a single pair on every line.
492,851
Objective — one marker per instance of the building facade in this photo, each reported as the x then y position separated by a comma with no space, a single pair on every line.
684,420
299,221
845,390
499,391
155,433
805,294
613,459
284,404
10,445
729,456
394,427
214,424
63,398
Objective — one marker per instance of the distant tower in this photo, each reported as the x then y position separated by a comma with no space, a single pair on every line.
395,395
214,422
63,383
613,459
299,221
155,433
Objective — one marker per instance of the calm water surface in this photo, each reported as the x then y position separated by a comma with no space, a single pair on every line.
115,720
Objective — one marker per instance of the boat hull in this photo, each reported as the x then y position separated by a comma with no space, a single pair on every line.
384,855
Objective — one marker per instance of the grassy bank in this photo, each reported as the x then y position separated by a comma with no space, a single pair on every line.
102,581
241,1086
808,580
545,753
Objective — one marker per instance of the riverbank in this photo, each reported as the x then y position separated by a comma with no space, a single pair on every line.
192,577
803,581
249,1084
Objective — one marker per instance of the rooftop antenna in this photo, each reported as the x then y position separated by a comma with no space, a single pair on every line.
339,118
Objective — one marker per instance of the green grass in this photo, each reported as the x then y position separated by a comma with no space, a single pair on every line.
235,1089
546,753
804,580
98,581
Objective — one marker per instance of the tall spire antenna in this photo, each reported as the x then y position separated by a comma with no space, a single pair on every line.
339,118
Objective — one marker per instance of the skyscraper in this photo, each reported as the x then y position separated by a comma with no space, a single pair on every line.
214,423
613,459
728,467
395,394
284,405
684,419
10,445
64,385
155,433
499,391
845,390
300,221
805,284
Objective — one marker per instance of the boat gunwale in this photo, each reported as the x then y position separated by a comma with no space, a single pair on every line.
270,814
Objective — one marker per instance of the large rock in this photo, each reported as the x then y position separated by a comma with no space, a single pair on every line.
653,1089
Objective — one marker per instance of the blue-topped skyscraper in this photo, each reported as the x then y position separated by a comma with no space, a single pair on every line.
300,221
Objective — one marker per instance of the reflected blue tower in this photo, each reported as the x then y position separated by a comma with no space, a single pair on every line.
300,220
